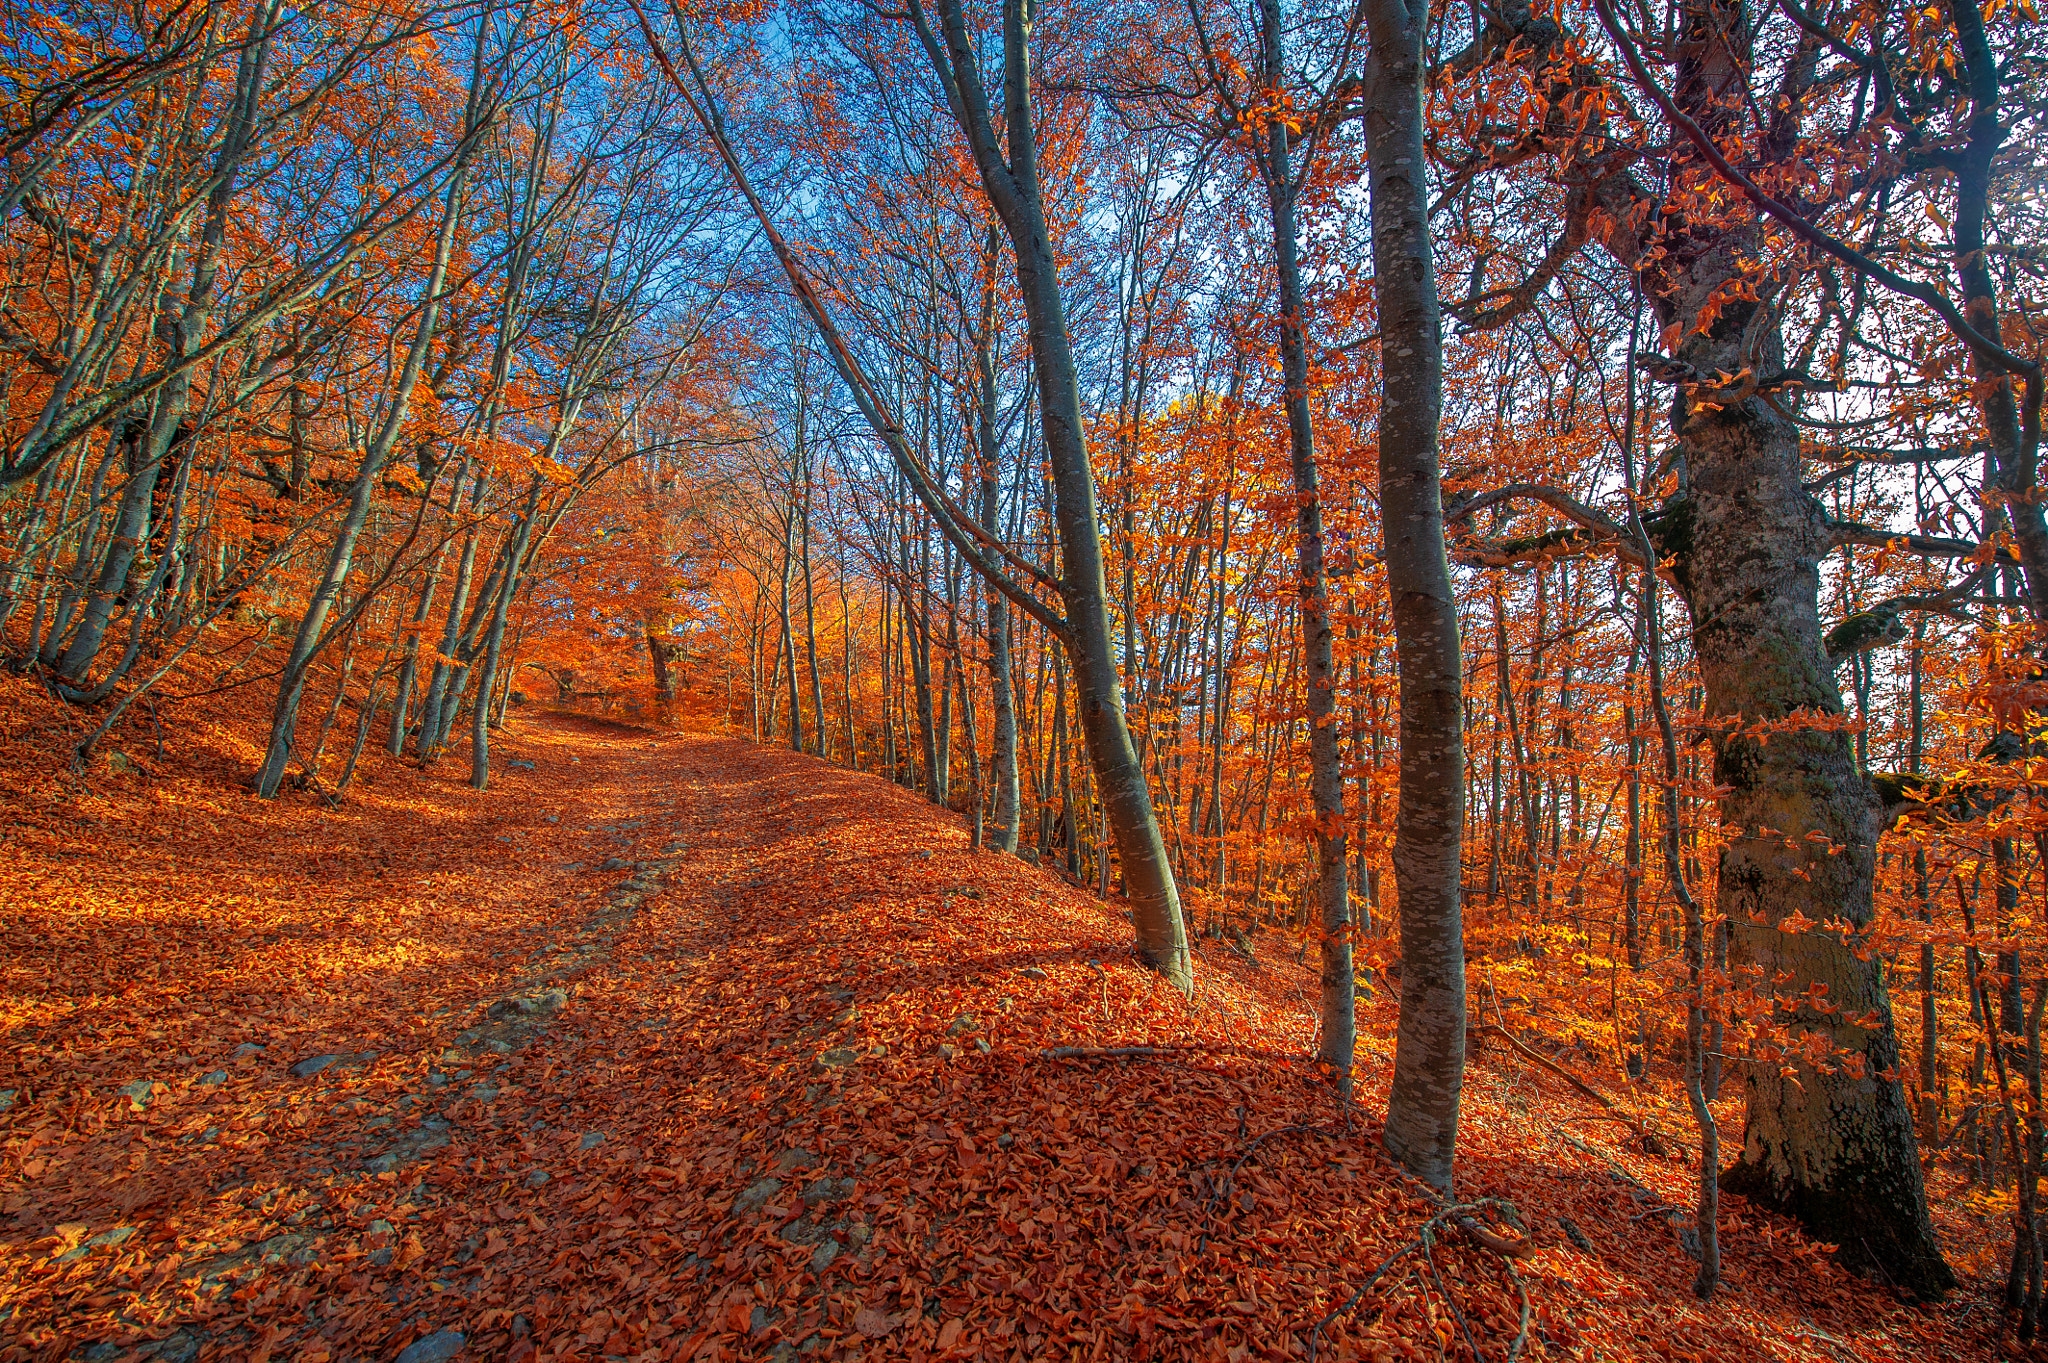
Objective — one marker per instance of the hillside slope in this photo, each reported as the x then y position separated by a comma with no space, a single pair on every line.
675,1047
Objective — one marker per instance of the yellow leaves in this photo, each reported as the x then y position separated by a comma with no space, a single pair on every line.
549,469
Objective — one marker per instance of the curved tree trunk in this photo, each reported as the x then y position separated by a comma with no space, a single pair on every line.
1098,689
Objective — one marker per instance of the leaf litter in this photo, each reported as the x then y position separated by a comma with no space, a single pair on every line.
802,1076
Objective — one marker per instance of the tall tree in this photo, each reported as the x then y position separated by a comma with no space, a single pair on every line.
1429,1050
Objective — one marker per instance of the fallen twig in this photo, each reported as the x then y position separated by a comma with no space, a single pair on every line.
1461,1216
1499,1244
1110,1052
1652,1142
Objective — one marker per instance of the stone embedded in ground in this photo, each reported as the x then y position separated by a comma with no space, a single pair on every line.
249,1048
213,1078
519,764
756,1196
537,1178
540,1004
414,1145
613,864
836,1058
964,1023
139,1092
828,1190
313,1064
435,1348
104,1240
789,1161
181,1347
591,1140
1032,972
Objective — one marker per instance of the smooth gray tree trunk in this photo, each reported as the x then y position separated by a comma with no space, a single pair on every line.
1332,890
1429,1050
1013,188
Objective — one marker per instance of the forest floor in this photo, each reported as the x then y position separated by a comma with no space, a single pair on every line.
671,1046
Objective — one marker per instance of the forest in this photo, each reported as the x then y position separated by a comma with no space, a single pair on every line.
1280,679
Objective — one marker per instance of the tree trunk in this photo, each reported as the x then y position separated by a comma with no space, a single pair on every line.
408,669
1013,187
480,727
1003,739
181,336
788,654
1326,763
1836,1150
1429,1050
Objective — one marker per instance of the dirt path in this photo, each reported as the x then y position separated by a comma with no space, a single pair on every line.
674,1047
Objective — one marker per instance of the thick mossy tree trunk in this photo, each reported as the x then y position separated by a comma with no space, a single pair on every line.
1831,1144
1833,1147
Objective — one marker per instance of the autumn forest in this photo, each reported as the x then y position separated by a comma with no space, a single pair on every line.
941,679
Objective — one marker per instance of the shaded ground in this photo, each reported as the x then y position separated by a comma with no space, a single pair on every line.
677,1047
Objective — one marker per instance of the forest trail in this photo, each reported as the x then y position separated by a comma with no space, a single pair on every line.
676,1047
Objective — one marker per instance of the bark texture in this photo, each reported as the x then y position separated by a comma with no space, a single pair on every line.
1835,1149
1326,766
1832,1147
1429,1051
1013,188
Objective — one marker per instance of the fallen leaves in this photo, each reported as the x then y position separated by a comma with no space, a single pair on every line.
1119,1173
